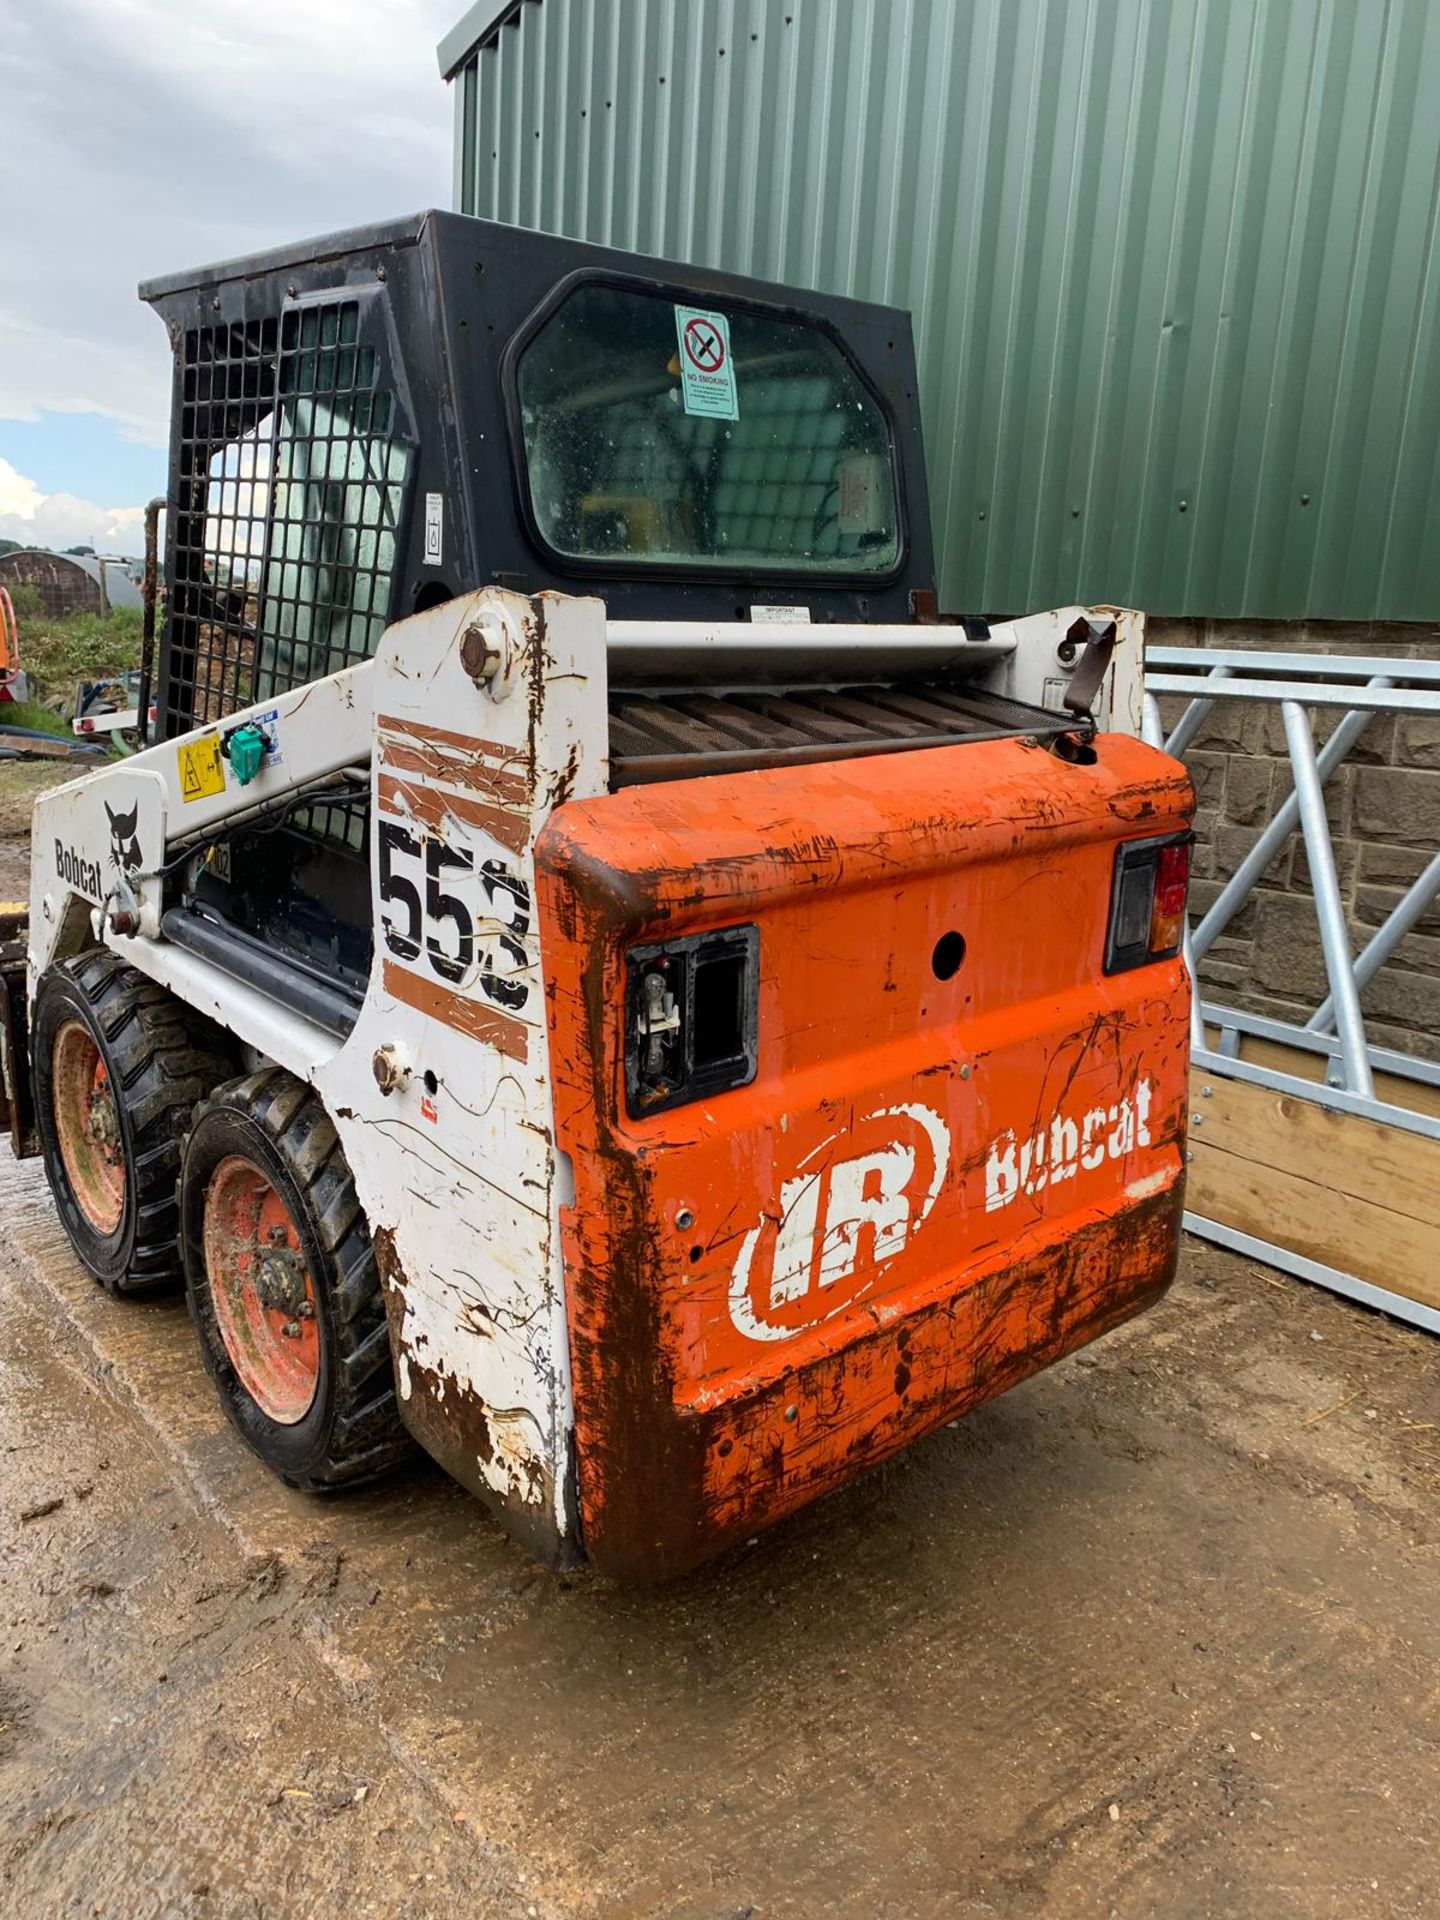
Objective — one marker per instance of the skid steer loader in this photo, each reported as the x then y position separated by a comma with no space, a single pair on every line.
591,974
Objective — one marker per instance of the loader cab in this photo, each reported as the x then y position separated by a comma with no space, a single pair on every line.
367,425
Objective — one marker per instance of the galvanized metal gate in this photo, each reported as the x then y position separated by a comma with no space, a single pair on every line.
1312,1148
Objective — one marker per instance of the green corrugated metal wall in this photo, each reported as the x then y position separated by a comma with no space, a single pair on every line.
1172,262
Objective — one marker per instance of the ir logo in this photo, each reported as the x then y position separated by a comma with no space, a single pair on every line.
853,1203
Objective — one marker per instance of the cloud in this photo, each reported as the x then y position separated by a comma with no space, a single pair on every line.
142,137
20,499
39,519
42,370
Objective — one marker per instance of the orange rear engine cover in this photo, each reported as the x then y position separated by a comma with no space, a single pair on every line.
931,1188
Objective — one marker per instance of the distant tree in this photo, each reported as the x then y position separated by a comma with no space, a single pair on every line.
11,546
84,552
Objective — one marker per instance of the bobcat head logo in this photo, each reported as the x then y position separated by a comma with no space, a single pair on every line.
124,847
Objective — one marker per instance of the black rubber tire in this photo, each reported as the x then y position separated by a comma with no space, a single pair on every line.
162,1059
352,1432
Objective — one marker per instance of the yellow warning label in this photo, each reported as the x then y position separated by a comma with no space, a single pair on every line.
202,771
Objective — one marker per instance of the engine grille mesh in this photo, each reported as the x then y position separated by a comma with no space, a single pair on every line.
676,736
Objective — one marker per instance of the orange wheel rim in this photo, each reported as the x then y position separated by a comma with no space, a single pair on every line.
263,1290
87,1125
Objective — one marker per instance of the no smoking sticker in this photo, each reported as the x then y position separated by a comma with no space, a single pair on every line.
707,372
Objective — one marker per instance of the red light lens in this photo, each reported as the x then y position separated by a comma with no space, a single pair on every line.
1147,901
1172,888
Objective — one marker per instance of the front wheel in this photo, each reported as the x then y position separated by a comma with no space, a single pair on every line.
119,1065
283,1286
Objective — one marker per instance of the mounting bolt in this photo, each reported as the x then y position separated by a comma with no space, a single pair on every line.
965,1071
479,656
292,1329
390,1068
684,1219
276,1235
792,1413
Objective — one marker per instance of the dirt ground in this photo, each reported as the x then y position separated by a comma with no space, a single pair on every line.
19,783
1155,1635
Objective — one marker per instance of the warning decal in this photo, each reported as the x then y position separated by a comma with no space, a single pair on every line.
202,771
707,373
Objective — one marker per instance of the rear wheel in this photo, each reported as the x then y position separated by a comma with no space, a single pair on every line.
283,1285
119,1066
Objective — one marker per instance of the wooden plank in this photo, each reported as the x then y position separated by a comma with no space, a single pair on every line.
1385,1166
1348,1192
1416,1095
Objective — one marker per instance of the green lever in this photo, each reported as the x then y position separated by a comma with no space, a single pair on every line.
247,751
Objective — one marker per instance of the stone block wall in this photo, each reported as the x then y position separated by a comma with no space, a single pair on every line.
1384,808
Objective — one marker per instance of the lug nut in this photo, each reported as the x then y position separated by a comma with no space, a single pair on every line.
292,1329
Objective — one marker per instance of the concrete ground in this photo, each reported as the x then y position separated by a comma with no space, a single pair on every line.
1155,1635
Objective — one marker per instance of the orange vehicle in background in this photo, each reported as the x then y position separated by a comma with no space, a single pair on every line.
9,647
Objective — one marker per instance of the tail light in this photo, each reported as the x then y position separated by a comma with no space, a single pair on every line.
1147,901
691,1018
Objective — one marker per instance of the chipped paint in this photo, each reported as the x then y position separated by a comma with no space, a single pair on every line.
841,1287
457,1167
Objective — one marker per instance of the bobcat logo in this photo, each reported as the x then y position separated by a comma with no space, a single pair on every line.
124,847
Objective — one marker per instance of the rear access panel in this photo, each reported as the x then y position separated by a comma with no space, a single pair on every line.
952,1152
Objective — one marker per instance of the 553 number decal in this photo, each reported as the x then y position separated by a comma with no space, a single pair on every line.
431,893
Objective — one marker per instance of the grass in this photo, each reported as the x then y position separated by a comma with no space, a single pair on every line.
35,715
86,646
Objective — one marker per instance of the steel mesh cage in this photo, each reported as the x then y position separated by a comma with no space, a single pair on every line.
291,489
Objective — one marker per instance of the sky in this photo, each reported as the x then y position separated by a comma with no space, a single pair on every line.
140,137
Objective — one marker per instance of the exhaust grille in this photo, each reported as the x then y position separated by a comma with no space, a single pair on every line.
679,735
